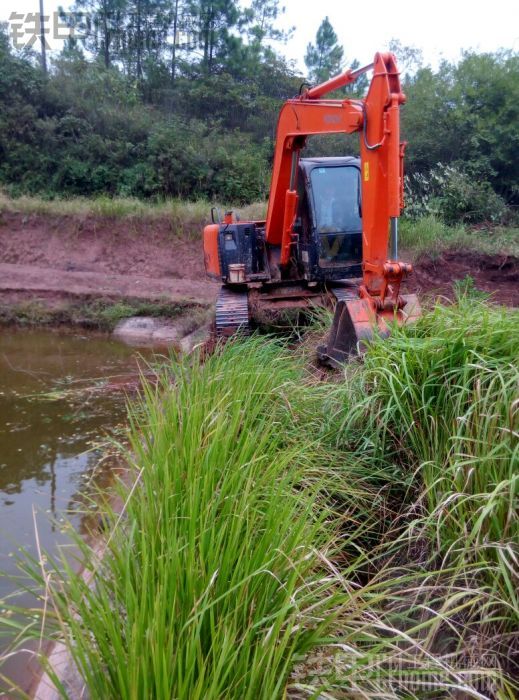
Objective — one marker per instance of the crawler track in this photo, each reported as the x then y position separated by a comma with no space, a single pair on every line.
232,313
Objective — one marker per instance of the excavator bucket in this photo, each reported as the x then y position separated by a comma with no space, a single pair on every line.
355,323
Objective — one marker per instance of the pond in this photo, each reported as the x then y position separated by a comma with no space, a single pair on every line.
61,396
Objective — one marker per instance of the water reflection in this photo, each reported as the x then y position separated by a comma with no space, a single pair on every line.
59,396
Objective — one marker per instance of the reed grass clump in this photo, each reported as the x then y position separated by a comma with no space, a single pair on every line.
288,537
213,580
441,400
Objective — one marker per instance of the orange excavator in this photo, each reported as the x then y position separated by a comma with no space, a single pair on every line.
331,231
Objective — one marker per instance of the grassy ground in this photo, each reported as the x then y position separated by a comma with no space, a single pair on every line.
96,314
353,538
430,236
187,214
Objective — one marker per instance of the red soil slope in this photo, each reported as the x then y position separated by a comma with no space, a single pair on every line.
56,257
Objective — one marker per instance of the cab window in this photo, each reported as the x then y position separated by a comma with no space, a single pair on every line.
336,199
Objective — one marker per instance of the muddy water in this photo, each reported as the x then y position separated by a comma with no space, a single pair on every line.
60,395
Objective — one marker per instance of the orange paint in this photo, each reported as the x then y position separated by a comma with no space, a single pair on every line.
211,259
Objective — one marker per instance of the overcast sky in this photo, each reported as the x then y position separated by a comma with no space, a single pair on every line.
441,28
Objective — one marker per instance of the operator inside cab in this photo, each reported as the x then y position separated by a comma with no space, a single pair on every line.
337,213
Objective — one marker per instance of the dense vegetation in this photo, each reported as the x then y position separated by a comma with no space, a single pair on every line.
348,539
127,111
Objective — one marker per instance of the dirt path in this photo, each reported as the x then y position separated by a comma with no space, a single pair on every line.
497,275
52,282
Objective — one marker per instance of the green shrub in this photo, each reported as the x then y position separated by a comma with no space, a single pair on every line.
453,195
462,197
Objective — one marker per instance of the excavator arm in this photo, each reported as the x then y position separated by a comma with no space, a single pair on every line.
377,120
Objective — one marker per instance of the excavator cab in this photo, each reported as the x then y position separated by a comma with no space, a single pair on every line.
328,221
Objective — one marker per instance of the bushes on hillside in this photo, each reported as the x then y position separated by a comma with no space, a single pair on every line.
86,131
454,195
91,129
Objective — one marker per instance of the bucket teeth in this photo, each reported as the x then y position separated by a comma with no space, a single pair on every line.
232,313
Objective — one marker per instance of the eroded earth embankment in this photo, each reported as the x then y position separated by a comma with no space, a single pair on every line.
53,260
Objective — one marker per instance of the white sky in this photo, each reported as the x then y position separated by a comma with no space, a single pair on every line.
441,28
438,27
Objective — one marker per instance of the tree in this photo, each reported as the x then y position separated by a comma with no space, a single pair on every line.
100,26
107,118
360,86
325,59
409,59
146,27
43,41
467,115
213,22
260,19
174,26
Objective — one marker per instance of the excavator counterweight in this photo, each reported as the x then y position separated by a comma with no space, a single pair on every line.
331,230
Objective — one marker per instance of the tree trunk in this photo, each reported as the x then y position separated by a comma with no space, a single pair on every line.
139,41
106,38
174,49
211,48
42,40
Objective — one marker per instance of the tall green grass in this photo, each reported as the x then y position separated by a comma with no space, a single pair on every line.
430,236
213,580
182,213
441,399
283,536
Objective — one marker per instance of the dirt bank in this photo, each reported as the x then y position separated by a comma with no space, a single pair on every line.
54,259
50,258
497,275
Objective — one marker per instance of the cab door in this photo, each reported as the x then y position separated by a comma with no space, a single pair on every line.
336,208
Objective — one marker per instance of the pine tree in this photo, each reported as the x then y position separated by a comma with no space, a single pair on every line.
360,86
100,26
260,19
324,60
147,24
213,21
